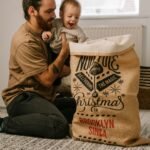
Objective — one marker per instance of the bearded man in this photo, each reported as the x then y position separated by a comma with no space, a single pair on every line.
30,98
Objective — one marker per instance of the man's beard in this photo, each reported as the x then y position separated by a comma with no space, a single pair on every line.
44,25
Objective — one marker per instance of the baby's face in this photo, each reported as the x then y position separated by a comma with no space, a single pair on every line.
71,16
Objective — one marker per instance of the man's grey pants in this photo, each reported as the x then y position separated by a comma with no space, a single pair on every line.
32,115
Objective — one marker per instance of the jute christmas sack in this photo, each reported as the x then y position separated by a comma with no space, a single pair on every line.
105,83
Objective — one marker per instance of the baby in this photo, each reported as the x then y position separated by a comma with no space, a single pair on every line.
70,11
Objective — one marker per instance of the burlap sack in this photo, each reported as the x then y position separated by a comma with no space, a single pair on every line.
105,83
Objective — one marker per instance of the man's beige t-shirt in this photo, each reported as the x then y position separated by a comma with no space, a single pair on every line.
28,57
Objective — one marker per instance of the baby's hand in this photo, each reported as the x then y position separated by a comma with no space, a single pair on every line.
46,36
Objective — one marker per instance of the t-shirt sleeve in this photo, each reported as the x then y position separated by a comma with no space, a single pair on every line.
31,58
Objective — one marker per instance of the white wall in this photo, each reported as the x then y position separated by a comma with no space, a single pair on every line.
11,17
127,21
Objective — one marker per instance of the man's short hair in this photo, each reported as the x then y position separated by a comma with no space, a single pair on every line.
27,3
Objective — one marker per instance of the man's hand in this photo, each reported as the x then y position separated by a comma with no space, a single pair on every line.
65,46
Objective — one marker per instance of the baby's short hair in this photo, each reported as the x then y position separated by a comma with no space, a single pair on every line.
72,2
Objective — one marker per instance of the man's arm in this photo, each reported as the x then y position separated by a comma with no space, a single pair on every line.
56,68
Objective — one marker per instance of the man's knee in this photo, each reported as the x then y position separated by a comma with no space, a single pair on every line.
60,128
